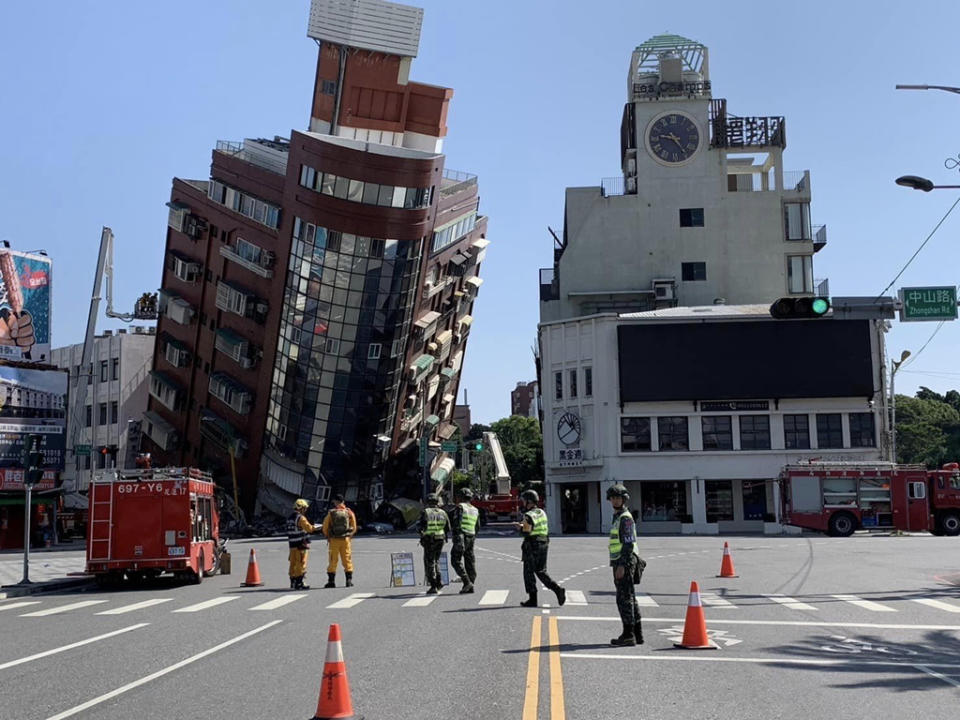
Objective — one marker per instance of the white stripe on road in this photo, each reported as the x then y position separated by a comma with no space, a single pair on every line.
14,606
494,597
349,601
71,646
206,604
63,608
160,673
828,662
421,601
644,600
938,676
135,606
576,597
790,602
865,604
786,623
278,603
716,601
938,604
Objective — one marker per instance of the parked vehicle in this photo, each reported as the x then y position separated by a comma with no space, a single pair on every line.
839,498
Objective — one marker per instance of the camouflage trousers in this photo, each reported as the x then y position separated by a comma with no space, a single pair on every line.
462,557
626,596
534,555
432,547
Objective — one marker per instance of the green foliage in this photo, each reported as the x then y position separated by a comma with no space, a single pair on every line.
476,432
928,428
522,446
461,479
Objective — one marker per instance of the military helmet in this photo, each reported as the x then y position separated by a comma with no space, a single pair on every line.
433,499
530,496
619,491
301,504
465,492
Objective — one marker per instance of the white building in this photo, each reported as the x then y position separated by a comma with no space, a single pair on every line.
659,363
117,381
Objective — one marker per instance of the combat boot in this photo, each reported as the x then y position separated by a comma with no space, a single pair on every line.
331,580
300,585
626,638
561,595
467,588
530,601
432,590
293,583
349,578
638,633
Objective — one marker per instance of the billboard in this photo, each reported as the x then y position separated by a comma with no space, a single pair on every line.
33,400
25,299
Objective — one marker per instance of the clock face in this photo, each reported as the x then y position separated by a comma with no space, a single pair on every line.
568,429
673,138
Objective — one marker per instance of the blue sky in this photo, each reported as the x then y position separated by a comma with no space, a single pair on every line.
103,102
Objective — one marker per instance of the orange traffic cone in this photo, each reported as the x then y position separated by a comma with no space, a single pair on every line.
695,626
726,565
334,701
253,571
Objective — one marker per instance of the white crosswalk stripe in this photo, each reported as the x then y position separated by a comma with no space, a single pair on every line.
865,604
716,601
644,600
930,602
576,597
790,602
278,602
63,608
494,597
205,605
15,605
349,601
420,601
135,606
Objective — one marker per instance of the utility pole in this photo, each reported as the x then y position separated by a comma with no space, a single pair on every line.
894,366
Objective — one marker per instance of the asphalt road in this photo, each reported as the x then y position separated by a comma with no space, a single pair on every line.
861,627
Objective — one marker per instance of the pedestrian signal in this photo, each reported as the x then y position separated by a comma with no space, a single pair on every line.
800,307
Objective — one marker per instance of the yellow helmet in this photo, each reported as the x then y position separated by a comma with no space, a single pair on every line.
301,504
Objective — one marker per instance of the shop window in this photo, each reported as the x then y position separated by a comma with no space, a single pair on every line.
719,500
796,432
861,430
829,430
663,501
672,433
635,434
717,432
754,432
754,499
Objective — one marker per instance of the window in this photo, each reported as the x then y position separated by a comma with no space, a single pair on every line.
691,271
103,414
719,500
373,353
332,346
916,490
861,430
89,420
573,383
558,385
796,432
90,374
796,219
588,382
104,371
328,87
396,347
635,434
829,430
691,217
663,501
717,432
754,432
115,369
800,273
672,433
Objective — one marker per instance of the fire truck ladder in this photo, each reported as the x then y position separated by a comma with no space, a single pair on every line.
101,529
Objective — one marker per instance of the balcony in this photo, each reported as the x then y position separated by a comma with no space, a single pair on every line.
165,391
250,256
175,307
454,181
819,237
238,301
267,154
160,431
175,352
221,433
235,347
231,392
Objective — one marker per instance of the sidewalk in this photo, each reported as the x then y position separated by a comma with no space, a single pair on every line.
50,569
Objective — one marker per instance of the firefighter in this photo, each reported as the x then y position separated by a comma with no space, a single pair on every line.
339,526
434,528
463,520
299,530
533,550
624,560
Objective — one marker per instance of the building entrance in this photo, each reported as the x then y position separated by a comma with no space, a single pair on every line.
573,508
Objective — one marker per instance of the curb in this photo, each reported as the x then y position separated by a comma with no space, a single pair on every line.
13,591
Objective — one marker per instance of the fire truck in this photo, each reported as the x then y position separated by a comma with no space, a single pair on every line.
839,498
150,521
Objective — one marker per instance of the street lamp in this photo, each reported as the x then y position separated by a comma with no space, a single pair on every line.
894,366
947,88
921,183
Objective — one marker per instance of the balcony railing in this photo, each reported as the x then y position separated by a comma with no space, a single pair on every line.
819,237
613,186
221,433
455,180
269,155
822,287
262,267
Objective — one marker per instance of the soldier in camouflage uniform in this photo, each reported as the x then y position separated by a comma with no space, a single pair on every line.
625,561
434,529
536,540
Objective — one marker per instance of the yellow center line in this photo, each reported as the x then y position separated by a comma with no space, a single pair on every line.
557,711
532,695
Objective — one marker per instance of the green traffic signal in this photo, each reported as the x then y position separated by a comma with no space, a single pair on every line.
789,308
819,306
478,447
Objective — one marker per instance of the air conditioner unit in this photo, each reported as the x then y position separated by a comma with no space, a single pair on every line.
262,308
665,289
246,362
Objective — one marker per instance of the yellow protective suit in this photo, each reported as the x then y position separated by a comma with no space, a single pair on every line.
298,557
339,547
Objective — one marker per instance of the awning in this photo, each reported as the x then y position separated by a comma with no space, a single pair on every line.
480,244
447,431
458,259
158,422
432,421
422,364
165,379
448,373
444,337
475,281
443,470
427,318
449,398
466,320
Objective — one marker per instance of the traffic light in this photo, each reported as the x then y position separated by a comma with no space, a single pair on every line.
33,459
792,308
478,446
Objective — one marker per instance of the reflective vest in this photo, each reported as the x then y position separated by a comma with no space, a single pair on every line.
436,522
296,536
468,518
615,545
539,529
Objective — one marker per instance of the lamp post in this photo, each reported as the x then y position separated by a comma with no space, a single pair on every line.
894,366
921,183
946,88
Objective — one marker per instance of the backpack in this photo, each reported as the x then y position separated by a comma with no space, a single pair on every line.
340,522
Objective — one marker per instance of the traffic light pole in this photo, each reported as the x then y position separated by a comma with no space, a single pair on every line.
26,535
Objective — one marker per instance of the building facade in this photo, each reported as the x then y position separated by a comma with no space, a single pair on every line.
524,399
117,379
317,298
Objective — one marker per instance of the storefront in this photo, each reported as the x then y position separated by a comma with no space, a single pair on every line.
12,516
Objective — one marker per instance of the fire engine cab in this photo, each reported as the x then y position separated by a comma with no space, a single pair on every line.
839,498
150,521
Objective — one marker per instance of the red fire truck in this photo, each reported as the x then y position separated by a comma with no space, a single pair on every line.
839,498
150,521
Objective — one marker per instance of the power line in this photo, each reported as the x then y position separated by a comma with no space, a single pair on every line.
932,335
904,268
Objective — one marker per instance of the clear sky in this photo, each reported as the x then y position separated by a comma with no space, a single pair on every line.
102,102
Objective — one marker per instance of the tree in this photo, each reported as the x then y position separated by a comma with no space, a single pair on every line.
928,428
476,431
522,446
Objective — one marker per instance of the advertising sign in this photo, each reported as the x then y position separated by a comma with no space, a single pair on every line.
33,400
24,306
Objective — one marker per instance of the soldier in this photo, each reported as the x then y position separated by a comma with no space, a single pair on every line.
463,519
298,531
434,528
339,526
533,550
624,560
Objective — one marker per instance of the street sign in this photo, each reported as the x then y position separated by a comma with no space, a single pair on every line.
449,446
81,449
928,303
424,444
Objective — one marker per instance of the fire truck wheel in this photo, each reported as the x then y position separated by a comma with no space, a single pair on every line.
216,565
842,524
950,524
197,577
135,577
